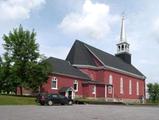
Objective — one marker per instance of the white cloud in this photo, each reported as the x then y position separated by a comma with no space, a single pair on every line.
18,9
93,21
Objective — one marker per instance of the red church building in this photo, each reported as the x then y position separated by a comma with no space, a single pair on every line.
91,73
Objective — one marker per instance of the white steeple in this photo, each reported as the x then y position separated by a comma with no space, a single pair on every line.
123,32
122,46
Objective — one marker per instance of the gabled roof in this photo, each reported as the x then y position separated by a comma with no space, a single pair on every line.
63,67
81,54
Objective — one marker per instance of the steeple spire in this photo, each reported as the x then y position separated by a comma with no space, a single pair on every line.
123,45
123,32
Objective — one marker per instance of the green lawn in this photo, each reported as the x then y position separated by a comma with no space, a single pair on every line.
16,100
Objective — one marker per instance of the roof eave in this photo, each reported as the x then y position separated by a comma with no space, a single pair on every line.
118,70
73,76
110,68
125,72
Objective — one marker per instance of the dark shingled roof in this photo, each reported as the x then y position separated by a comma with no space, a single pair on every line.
80,54
65,68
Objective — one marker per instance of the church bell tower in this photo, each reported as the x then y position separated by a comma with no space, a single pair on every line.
123,45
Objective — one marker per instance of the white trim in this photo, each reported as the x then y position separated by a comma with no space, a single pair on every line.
94,90
72,91
138,76
88,66
110,79
130,87
125,72
121,86
54,79
113,93
110,68
105,91
75,82
69,75
137,88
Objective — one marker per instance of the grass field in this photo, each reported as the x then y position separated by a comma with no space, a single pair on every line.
16,100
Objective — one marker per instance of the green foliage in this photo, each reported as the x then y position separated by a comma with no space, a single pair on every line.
0,61
0,73
153,90
37,73
22,65
6,75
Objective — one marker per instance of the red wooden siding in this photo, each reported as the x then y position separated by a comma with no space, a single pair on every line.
63,81
85,90
116,85
100,91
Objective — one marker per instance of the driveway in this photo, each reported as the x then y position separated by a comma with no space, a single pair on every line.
79,112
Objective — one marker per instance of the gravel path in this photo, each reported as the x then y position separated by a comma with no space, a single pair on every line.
79,112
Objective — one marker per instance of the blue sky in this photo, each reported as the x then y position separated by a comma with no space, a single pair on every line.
97,22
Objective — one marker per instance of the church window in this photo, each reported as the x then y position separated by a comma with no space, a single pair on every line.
110,79
75,85
54,83
137,88
121,86
94,90
130,87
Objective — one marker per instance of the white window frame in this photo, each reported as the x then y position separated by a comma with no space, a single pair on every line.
75,82
121,86
110,79
94,89
137,88
130,87
110,89
54,79
92,76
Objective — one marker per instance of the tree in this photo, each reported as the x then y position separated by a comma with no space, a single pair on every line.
7,84
0,61
153,90
38,72
25,58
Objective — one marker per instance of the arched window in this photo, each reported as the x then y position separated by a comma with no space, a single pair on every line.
121,86
137,88
75,85
54,83
122,47
130,87
92,76
118,48
94,89
110,79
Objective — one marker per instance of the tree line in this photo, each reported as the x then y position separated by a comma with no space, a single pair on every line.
22,65
153,91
